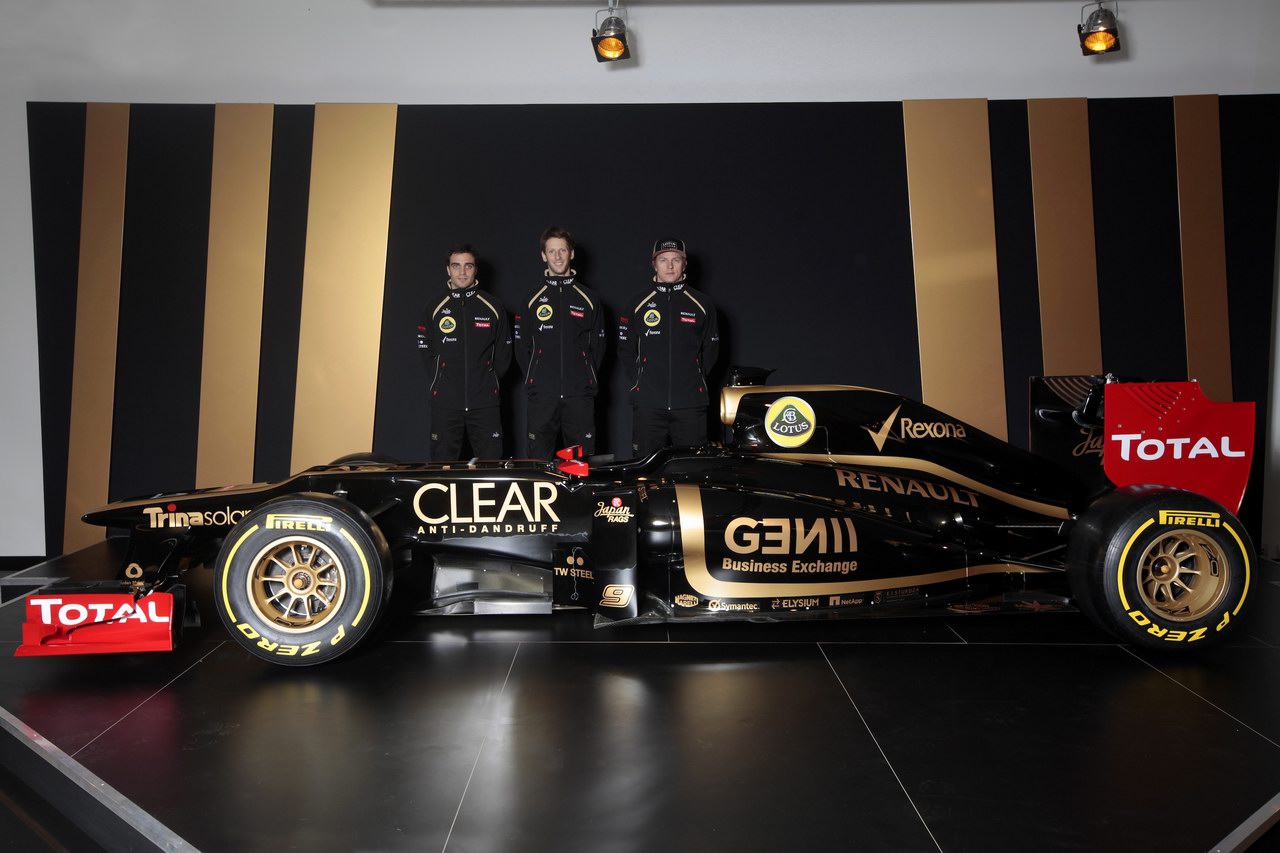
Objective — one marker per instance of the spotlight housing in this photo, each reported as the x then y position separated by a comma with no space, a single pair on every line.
609,39
1099,33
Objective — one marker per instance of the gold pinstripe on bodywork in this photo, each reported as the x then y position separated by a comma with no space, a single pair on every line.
908,463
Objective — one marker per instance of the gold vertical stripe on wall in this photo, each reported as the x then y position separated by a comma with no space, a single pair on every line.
342,282
1066,263
93,372
1204,250
954,249
241,183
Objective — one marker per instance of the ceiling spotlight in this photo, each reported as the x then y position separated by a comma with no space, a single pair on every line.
1099,33
609,38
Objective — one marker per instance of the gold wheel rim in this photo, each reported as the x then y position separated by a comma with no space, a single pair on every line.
296,584
1182,575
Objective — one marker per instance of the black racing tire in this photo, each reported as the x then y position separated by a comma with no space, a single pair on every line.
1161,568
301,579
365,457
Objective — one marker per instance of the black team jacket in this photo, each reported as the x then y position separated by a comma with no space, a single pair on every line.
667,341
559,338
466,346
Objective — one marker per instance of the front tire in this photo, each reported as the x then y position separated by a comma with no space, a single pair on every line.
1161,568
301,579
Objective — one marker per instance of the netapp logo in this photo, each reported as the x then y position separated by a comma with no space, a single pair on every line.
169,516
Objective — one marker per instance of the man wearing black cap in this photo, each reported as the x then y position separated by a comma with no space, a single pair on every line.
466,347
559,343
667,341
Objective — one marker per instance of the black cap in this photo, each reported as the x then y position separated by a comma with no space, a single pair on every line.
669,246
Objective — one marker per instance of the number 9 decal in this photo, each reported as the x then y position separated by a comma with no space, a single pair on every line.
617,595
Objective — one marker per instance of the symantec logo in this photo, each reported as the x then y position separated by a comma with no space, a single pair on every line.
1170,434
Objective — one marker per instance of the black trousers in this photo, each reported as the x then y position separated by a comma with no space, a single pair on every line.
482,428
653,429
575,417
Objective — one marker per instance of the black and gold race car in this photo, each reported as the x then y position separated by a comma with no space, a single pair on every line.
824,501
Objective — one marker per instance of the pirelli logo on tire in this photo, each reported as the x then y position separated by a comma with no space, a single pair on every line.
283,521
1190,518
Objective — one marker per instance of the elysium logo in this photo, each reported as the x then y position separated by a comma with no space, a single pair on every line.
789,422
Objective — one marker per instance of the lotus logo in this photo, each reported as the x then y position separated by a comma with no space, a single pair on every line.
790,422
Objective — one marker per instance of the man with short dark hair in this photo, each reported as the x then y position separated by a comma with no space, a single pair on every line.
559,343
667,341
466,347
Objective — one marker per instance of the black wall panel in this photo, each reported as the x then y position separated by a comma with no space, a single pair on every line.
1139,255
795,215
1015,258
291,134
1250,179
162,277
56,144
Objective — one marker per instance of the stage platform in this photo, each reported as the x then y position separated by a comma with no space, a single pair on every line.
1010,732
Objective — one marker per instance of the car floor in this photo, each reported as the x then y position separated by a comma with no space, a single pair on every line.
1027,731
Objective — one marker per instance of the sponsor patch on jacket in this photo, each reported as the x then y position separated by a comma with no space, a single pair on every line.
544,312
483,324
652,317
448,324
573,312
688,319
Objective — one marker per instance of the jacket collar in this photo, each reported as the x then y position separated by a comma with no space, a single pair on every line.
560,280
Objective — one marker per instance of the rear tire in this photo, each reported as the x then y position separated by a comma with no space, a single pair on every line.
301,579
1161,568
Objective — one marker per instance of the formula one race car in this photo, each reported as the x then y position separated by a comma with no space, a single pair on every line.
825,501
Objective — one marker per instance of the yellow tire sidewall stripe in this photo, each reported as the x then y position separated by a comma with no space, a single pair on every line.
1124,555
226,571
364,565
1245,553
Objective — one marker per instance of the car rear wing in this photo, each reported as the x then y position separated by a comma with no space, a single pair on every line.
1109,430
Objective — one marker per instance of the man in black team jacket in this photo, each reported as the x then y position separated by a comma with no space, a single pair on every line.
667,340
466,348
559,343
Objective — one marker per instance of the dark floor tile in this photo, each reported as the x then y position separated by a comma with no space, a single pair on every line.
371,752
1243,682
680,747
1057,748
